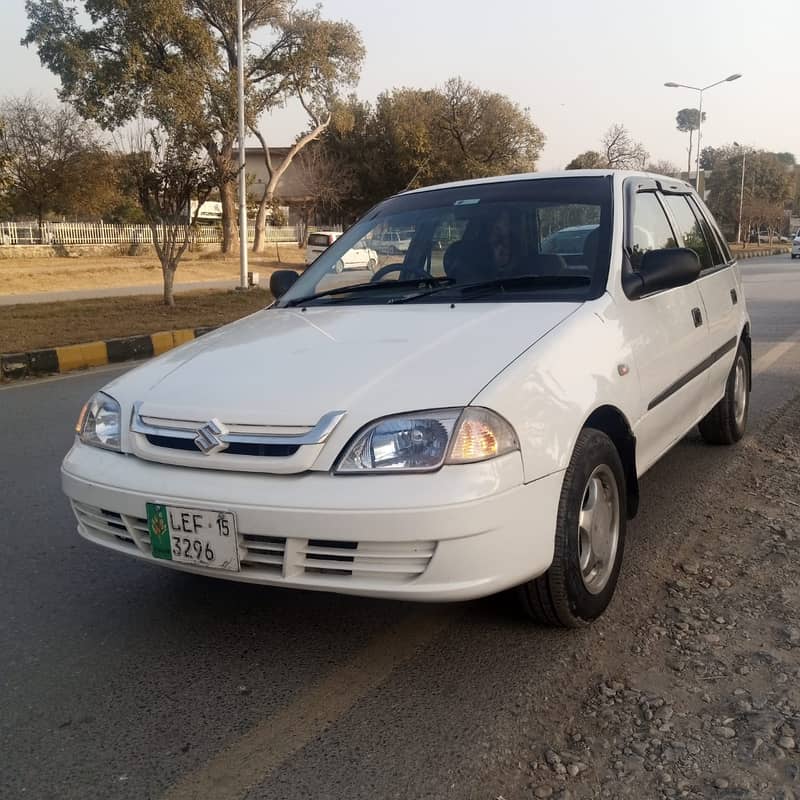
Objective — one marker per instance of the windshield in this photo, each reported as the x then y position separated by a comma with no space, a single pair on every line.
555,231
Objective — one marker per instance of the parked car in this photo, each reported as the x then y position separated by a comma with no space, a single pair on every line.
431,436
568,240
361,257
391,242
796,245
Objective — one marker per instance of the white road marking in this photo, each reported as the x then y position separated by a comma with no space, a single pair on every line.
251,758
775,353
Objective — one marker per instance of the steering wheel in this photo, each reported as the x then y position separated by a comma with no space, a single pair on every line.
412,272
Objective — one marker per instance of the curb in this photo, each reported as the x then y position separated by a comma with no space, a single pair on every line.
740,255
48,361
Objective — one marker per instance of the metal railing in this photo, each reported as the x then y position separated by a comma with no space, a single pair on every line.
74,233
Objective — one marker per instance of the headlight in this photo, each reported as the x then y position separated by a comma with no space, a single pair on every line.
425,441
100,422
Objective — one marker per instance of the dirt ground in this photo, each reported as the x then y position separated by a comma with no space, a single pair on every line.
30,275
697,694
37,325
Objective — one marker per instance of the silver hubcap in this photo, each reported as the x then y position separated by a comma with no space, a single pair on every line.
598,529
739,391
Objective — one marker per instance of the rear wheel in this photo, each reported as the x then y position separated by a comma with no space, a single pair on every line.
589,540
727,421
372,264
339,266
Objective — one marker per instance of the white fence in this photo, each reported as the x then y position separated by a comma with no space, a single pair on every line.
67,233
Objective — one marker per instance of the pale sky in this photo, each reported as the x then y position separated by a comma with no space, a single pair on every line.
578,66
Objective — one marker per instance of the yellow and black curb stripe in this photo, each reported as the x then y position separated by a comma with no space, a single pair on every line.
93,354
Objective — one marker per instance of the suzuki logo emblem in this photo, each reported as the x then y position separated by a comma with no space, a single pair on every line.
208,438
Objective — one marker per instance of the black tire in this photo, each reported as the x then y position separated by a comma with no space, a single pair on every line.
726,422
338,267
560,597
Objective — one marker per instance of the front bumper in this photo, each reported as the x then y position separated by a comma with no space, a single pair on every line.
463,532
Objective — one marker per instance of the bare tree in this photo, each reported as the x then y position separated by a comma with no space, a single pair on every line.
169,172
327,181
664,167
621,151
46,157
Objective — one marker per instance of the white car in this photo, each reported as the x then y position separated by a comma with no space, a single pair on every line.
796,245
391,242
448,429
360,257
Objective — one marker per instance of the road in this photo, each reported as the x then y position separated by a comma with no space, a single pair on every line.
120,680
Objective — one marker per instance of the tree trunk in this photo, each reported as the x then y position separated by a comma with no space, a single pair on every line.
691,139
276,174
230,228
260,235
169,280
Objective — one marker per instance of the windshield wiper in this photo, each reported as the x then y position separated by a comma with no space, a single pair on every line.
414,283
510,283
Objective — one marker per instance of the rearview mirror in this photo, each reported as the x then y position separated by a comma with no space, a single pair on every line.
662,269
281,281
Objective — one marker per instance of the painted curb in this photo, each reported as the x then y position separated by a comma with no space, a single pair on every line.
56,360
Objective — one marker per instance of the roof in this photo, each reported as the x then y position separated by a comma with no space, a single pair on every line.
564,173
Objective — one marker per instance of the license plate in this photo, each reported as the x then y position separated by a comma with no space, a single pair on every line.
193,536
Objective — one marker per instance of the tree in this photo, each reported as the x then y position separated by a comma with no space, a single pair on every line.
591,159
416,137
708,157
664,167
173,61
311,60
768,187
51,161
621,151
688,121
167,172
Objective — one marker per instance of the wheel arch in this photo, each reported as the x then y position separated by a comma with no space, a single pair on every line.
611,421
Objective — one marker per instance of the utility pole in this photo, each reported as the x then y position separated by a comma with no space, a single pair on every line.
243,243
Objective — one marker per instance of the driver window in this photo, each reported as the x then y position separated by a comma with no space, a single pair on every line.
651,229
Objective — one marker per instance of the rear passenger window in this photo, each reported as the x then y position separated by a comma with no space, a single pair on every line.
719,247
651,228
690,228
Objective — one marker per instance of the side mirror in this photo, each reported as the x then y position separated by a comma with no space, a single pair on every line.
281,281
663,269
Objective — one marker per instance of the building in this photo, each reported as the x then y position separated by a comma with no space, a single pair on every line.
291,194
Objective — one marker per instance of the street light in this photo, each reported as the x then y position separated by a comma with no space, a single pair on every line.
741,192
242,154
673,85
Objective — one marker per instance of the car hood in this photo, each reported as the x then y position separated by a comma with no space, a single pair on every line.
291,367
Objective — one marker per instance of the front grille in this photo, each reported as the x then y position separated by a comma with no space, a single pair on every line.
234,448
276,556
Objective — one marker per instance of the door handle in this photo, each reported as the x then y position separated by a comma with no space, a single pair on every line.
697,316
734,297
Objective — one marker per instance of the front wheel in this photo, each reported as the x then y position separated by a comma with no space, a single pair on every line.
589,538
338,267
727,421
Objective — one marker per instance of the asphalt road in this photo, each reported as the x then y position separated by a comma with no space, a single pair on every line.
121,680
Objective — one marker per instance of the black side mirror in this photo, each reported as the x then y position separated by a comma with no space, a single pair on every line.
662,269
281,281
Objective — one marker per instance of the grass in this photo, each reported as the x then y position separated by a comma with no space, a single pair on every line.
32,275
38,325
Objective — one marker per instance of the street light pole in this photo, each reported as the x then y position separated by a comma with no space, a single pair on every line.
700,90
242,154
741,191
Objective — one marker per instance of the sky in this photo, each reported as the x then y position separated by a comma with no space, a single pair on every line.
578,65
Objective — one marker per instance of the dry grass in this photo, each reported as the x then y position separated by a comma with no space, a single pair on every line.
39,325
32,275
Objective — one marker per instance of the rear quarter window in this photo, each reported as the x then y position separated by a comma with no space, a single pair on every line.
318,240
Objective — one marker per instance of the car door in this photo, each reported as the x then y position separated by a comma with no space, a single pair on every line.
665,331
719,288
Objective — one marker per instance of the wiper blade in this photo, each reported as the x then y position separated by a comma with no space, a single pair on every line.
530,282
358,288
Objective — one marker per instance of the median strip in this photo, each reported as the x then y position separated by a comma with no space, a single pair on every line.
50,360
